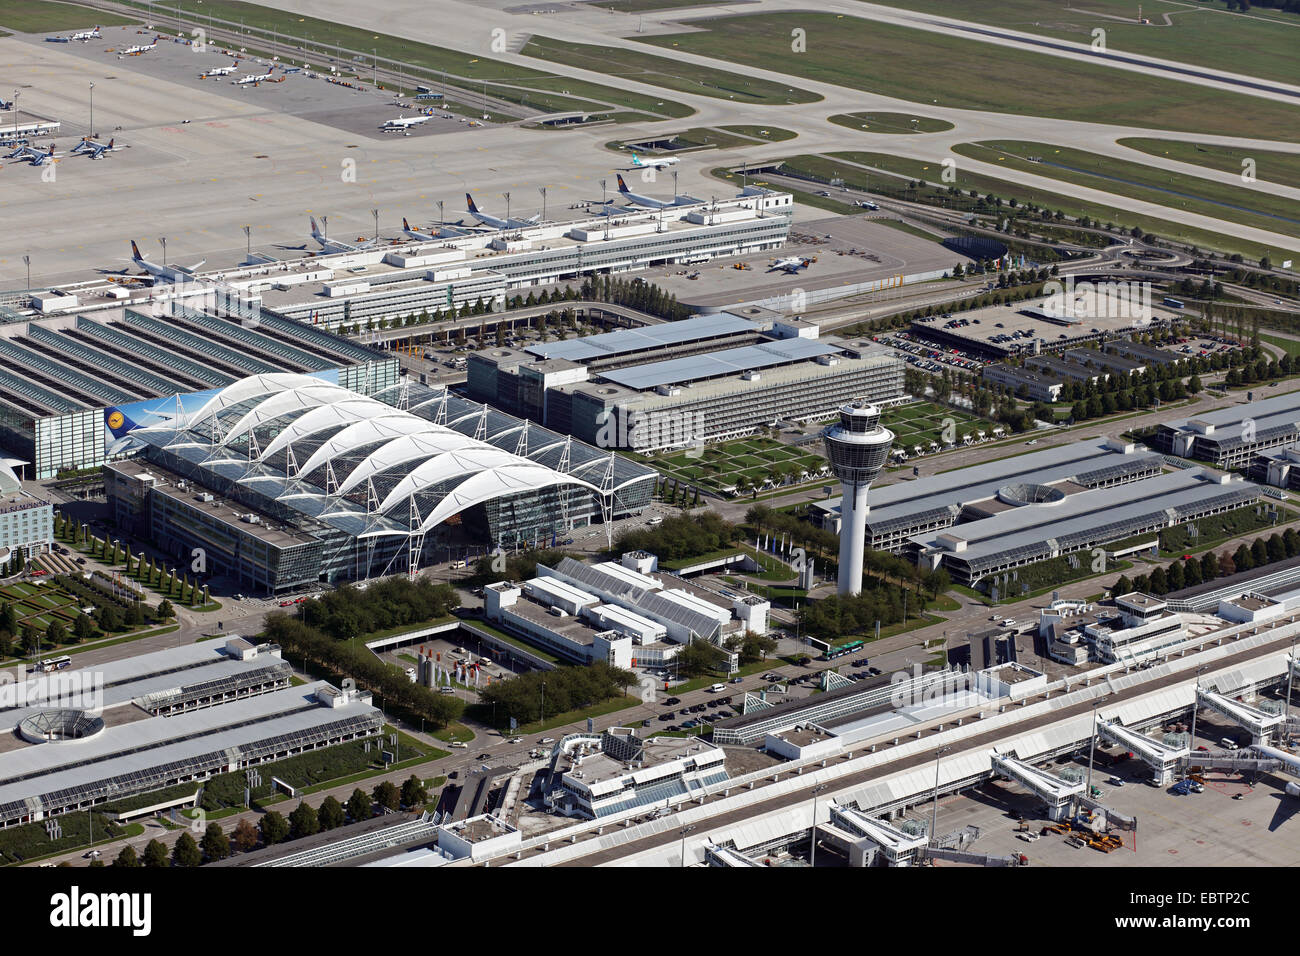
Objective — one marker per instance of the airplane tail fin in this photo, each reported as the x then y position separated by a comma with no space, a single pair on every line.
315,230
622,186
135,252
469,203
406,226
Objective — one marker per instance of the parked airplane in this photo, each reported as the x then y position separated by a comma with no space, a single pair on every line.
95,149
654,162
254,80
165,273
495,222
334,245
87,35
791,265
6,104
404,122
639,200
34,155
137,50
219,71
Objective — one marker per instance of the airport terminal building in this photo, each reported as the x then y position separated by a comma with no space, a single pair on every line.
1232,437
286,480
68,383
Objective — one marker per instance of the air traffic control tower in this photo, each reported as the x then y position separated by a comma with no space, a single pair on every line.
858,448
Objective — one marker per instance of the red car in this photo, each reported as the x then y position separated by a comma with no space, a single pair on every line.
286,604
38,572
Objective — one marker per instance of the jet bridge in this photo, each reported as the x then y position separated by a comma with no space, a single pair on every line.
1161,759
716,855
900,848
1259,723
1057,792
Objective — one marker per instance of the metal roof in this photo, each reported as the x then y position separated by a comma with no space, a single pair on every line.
622,341
694,368
1090,517
1266,413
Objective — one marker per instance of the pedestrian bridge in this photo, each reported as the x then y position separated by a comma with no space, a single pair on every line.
1057,792
1258,722
1161,759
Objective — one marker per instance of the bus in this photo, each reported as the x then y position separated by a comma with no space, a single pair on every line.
1174,303
54,664
849,648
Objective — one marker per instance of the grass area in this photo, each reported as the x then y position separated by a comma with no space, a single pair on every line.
41,16
406,628
30,841
1216,529
733,467
924,422
1260,44
454,732
892,123
902,169
708,680
1192,194
1290,346
1043,576
637,6
662,71
706,137
901,62
1270,166
910,229
771,134
505,81
573,716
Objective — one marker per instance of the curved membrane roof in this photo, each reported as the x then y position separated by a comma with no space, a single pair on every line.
364,466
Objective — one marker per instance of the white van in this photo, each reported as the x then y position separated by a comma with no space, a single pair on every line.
717,688
1228,743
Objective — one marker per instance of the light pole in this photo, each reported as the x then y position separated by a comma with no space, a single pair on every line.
248,242
542,190
375,213
1196,705
92,110
812,840
543,701
1290,659
934,813
1092,743
27,262
17,93
163,240
685,830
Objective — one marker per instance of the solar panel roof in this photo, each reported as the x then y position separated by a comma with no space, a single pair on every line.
621,341
694,368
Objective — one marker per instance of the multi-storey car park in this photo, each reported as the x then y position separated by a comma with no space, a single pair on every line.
903,509
91,737
1038,522
62,378
286,480
1232,437
703,379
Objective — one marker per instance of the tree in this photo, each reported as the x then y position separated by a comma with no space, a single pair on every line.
359,806
244,836
155,855
330,814
303,821
215,844
1209,566
414,793
696,659
165,610
273,827
127,859
185,852
83,628
386,796
1158,582
56,634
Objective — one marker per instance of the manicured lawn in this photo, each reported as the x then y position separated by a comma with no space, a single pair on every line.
1260,43
1270,166
572,716
1206,197
927,67
897,171
891,123
646,67
41,16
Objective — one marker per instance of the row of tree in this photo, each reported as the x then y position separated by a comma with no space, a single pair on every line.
342,659
273,827
1185,573
392,602
533,695
681,536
